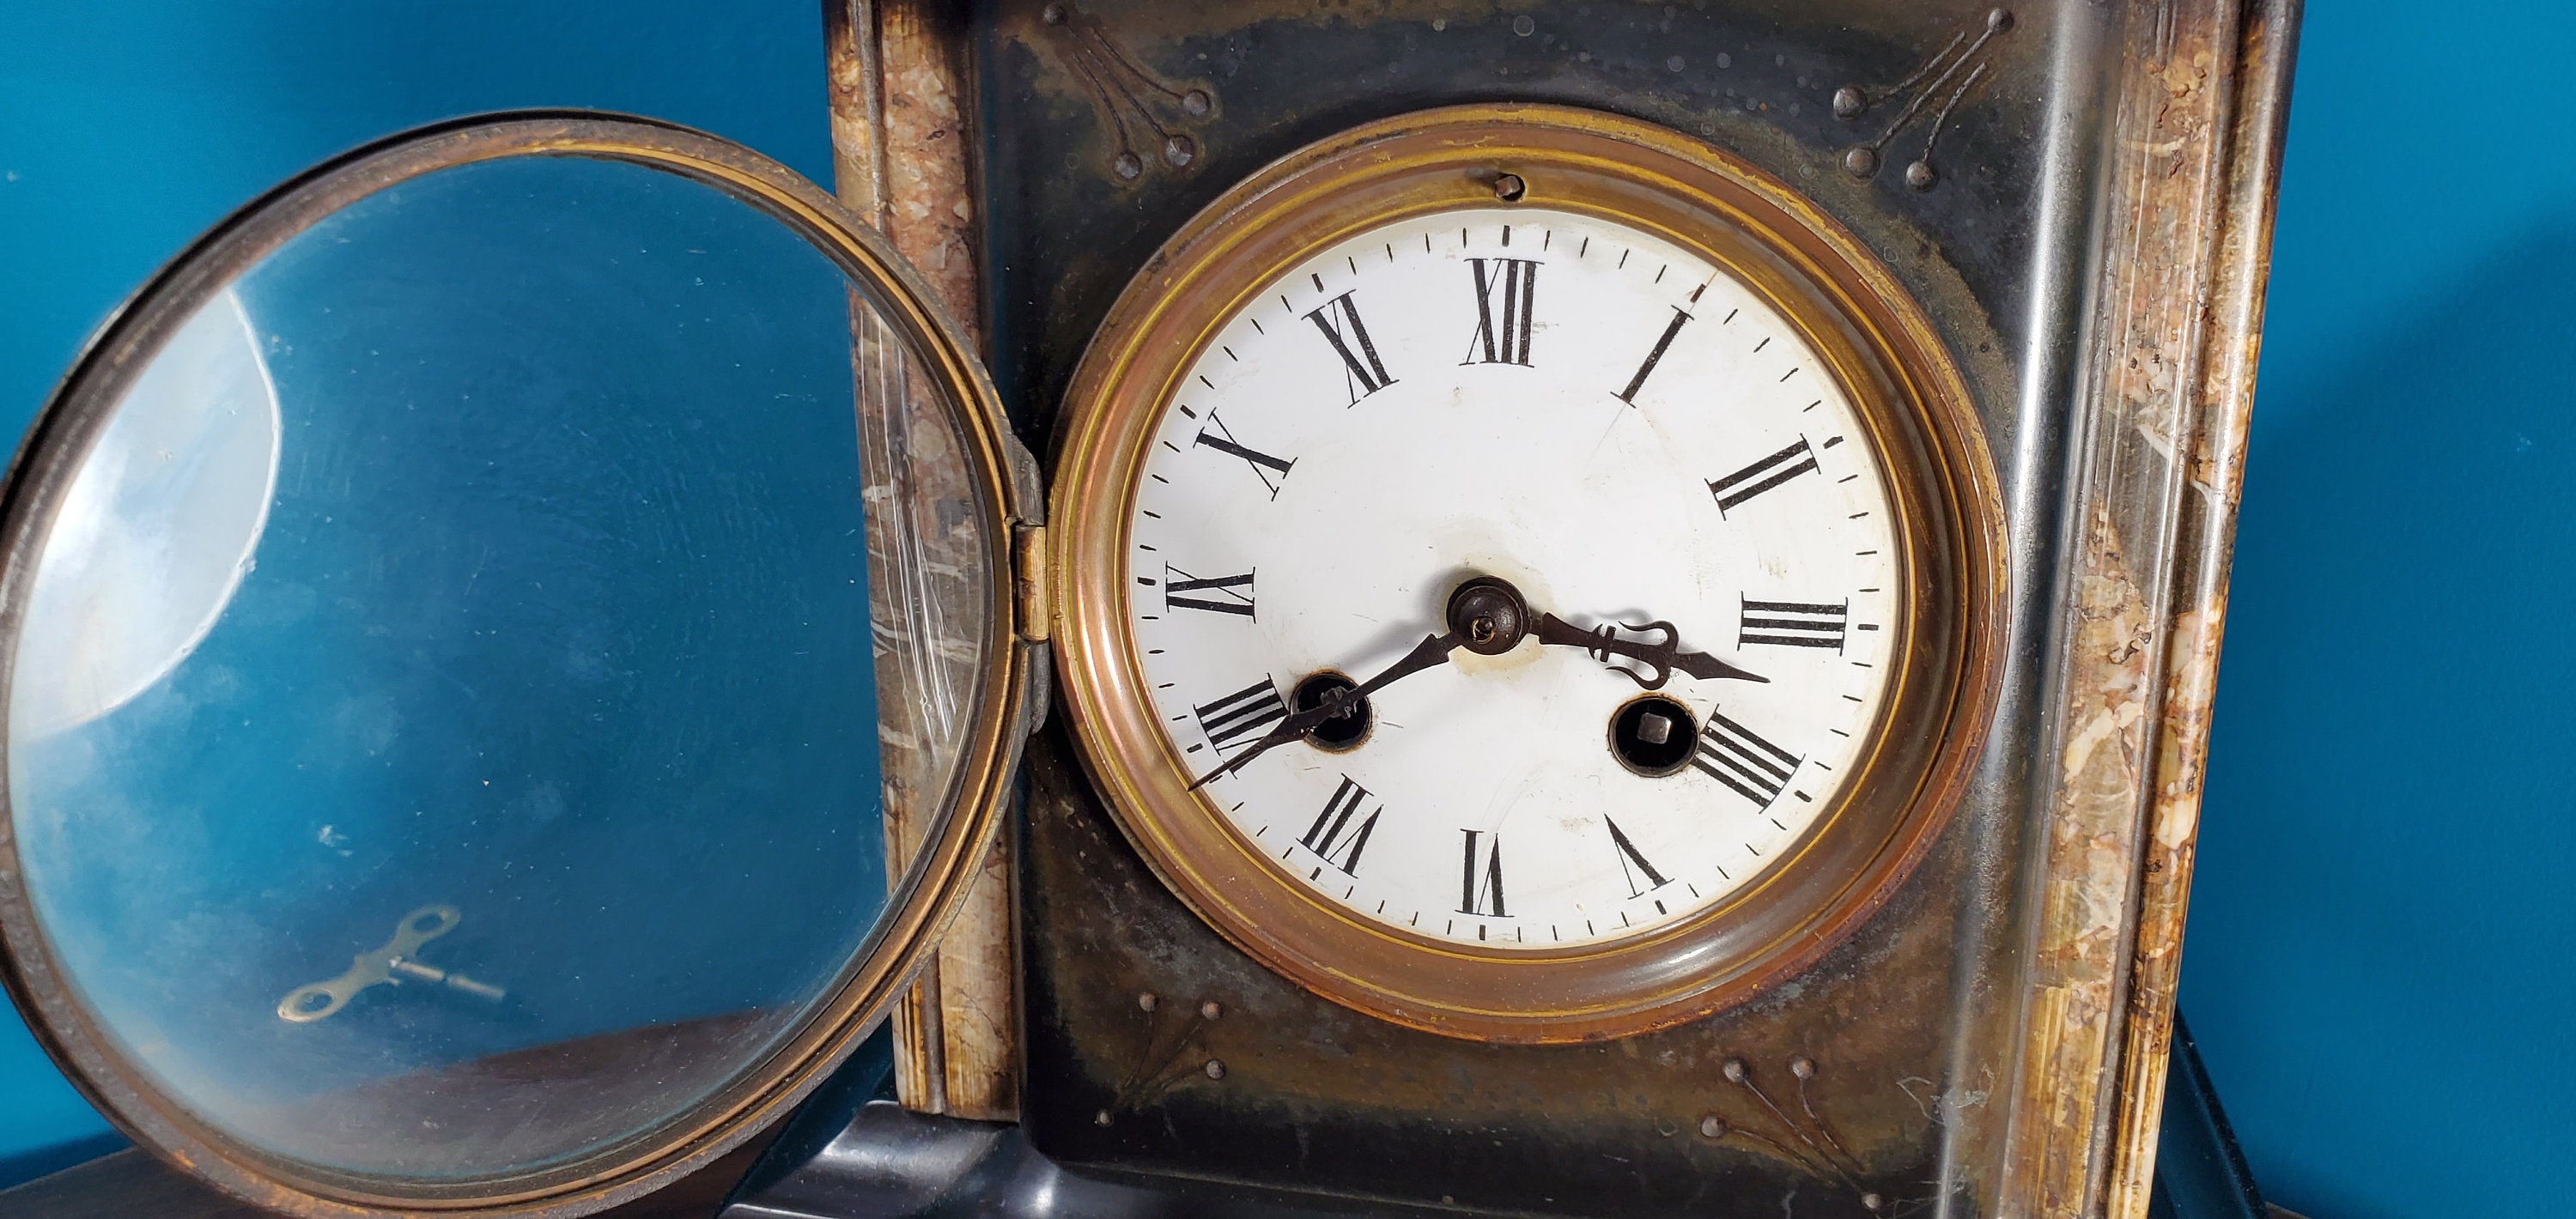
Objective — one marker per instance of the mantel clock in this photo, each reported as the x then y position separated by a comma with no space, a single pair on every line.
1535,608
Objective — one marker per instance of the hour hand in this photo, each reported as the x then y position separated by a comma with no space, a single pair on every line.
1655,645
1433,650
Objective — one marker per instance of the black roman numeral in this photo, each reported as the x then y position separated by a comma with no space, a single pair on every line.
1793,624
1221,438
1631,862
1233,594
1333,838
1483,894
1247,711
1503,302
1730,753
1363,373
1638,382
1763,475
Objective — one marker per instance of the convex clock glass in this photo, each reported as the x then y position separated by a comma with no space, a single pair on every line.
449,615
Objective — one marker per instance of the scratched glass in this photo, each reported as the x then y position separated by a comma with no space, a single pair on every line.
443,736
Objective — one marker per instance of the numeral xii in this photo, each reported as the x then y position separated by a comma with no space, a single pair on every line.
1504,297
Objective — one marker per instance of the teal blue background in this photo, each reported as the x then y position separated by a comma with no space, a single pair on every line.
2383,944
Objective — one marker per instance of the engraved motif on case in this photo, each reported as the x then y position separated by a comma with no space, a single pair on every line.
1129,98
1938,77
1812,1143
1172,1054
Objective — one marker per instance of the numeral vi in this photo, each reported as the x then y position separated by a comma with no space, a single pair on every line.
1481,892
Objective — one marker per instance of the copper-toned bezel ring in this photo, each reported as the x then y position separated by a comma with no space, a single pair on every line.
1881,349
919,905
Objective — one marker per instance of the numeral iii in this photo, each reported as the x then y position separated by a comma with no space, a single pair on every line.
1793,624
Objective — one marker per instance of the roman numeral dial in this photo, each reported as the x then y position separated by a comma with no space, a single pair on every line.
1218,595
1480,889
1506,294
1771,472
1635,439
1240,718
1336,837
1364,373
1738,757
1792,624
1654,356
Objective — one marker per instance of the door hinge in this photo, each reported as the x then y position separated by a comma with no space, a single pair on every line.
1033,603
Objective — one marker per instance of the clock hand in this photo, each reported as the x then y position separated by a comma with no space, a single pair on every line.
1432,651
1485,615
1662,656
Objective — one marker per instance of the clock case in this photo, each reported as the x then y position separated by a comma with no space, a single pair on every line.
2078,194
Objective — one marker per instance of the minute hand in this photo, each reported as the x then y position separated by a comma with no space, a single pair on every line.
1661,656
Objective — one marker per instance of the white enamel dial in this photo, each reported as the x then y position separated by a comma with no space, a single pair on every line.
1622,432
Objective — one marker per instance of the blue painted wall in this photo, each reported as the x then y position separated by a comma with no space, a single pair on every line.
2382,954
2383,949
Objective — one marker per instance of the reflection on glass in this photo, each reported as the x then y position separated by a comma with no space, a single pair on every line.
158,529
467,615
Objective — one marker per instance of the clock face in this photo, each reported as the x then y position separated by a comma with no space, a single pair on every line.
1522,573
1624,434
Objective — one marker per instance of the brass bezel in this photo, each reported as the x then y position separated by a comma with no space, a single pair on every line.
919,905
1883,351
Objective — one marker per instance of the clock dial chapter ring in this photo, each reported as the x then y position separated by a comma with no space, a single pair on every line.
1915,426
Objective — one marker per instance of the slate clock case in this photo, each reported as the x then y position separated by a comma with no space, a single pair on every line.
2018,249
2077,196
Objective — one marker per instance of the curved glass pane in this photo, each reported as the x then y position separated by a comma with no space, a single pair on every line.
445,732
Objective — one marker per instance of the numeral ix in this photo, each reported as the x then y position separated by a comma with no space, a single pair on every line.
1247,711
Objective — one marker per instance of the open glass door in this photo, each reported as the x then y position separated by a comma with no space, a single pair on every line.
465,622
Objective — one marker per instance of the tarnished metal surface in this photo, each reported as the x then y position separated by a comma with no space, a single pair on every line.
1304,1094
1963,1050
